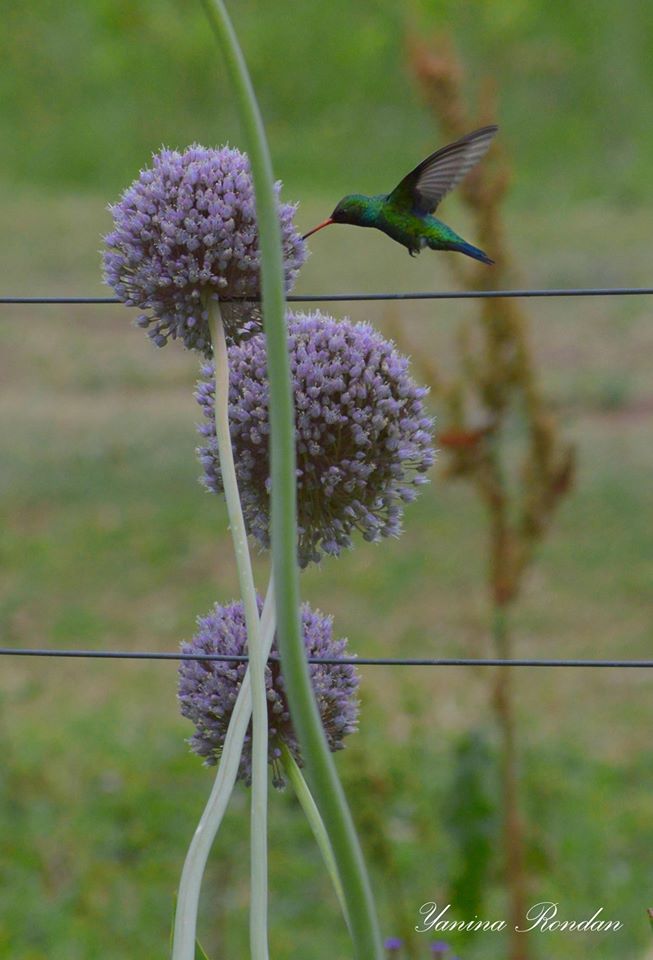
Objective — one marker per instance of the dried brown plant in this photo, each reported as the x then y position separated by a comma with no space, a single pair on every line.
496,379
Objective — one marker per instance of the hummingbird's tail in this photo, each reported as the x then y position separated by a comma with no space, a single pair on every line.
471,251
439,236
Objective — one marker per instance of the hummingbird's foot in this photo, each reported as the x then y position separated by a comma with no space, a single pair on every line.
413,253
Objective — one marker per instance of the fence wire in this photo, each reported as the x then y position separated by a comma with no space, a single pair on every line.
357,661
408,295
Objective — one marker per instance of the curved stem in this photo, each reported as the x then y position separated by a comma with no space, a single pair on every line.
305,715
258,915
315,821
191,878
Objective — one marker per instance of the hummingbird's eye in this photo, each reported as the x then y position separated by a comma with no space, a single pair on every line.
340,214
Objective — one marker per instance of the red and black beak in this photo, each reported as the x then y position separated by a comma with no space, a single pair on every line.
325,223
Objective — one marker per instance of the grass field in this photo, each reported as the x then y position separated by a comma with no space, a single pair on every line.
109,541
90,90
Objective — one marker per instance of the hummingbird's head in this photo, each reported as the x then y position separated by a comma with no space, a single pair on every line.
351,209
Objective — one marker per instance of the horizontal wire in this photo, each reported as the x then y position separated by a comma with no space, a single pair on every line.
357,661
409,295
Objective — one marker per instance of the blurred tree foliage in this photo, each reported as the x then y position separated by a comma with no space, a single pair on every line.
90,89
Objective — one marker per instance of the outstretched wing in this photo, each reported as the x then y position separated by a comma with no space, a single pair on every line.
427,184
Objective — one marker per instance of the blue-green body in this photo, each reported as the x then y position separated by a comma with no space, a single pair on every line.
413,230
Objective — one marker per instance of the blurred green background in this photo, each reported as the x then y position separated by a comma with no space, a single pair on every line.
108,541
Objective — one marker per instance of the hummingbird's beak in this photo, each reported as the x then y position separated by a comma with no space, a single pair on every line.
325,223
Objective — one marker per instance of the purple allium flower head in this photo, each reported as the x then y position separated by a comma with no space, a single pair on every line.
439,948
187,228
208,688
363,439
393,944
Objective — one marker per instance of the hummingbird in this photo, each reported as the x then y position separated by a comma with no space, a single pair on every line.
406,214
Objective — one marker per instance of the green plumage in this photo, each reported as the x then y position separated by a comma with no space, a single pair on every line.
406,214
412,230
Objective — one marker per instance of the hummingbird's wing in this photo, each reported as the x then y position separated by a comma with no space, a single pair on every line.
424,187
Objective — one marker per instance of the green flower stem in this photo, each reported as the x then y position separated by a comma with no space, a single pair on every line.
315,821
319,763
191,877
258,914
